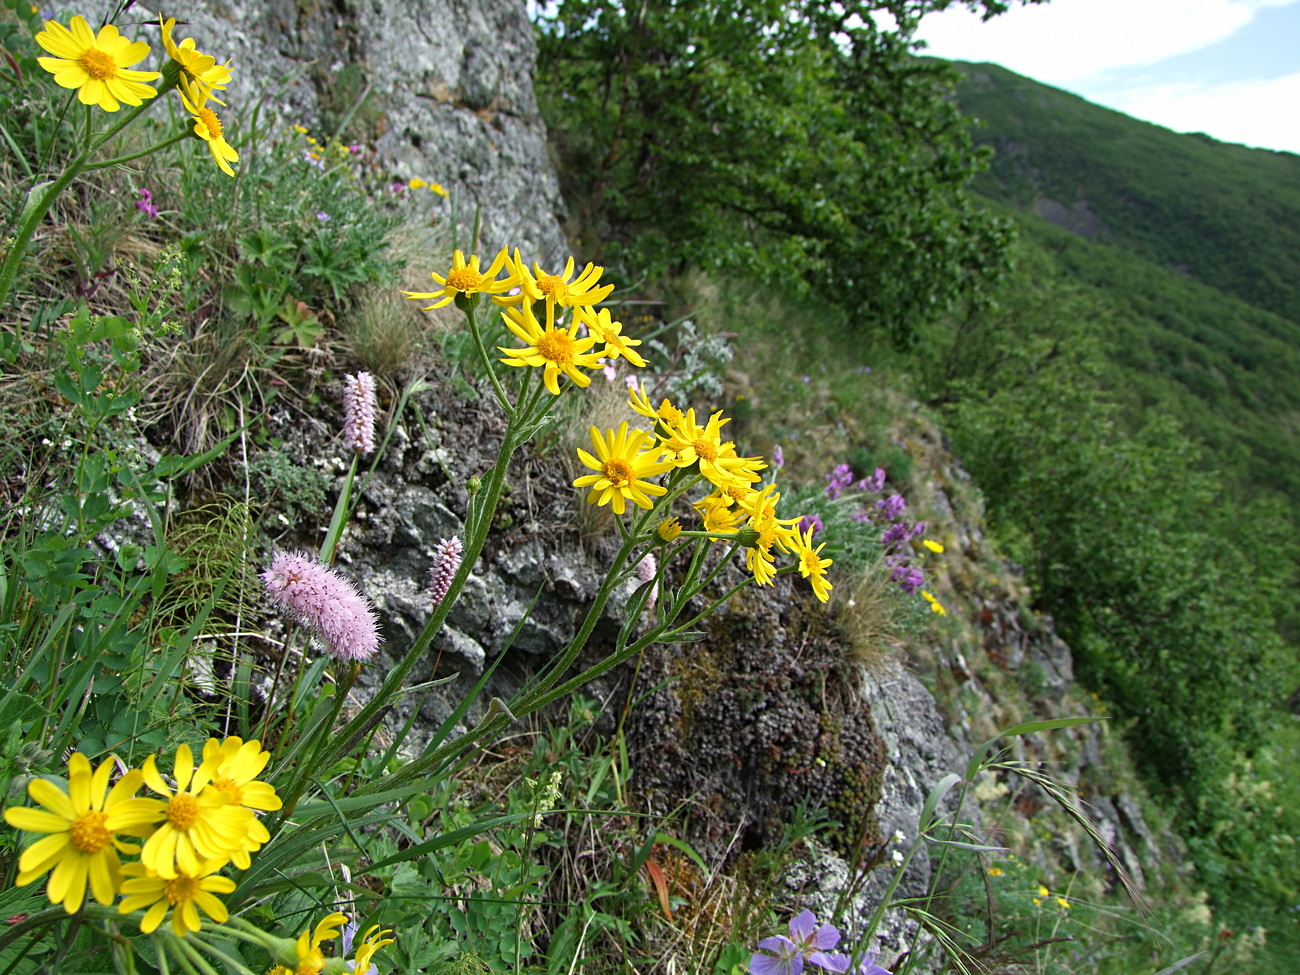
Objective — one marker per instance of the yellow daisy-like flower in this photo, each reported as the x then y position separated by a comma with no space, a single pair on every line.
704,445
207,126
310,960
669,529
79,846
932,545
201,70
811,566
556,350
718,515
666,414
465,278
96,64
935,605
610,332
234,765
184,895
371,941
995,871
1063,902
623,461
761,506
441,191
558,289
196,823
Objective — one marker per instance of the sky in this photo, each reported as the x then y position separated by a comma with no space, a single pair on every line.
1228,68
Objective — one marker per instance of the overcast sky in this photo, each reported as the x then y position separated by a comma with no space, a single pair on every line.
1229,68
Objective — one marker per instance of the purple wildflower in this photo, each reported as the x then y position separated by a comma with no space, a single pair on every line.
812,520
873,484
446,560
909,578
145,204
837,480
778,458
895,535
869,966
860,516
893,506
786,958
325,603
322,216
359,412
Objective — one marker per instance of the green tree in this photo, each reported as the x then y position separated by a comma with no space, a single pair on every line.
797,141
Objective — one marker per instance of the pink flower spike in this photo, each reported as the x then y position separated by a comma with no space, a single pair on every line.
446,560
325,603
359,412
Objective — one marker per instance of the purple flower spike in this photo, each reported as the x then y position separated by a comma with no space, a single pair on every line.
446,560
786,958
837,480
812,520
778,457
359,412
893,506
145,204
325,603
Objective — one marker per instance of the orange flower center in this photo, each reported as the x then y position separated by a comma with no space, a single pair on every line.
183,811
619,471
705,450
88,832
463,279
98,65
669,413
734,493
553,287
180,890
231,788
556,347
811,563
210,122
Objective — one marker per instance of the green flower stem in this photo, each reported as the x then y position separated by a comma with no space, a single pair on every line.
497,388
119,160
42,196
308,769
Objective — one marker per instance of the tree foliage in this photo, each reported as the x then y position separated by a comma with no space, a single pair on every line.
798,141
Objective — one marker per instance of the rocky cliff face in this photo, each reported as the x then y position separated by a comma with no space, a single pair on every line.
442,89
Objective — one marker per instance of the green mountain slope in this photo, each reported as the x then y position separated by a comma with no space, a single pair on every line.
1225,215
1194,246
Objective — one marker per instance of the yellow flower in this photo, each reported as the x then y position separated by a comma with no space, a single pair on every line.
718,515
1063,902
310,960
811,566
932,546
622,464
616,344
96,65
371,941
555,350
995,871
717,460
666,414
80,824
417,184
195,823
207,126
935,605
465,278
200,70
184,894
669,529
234,765
558,289
441,191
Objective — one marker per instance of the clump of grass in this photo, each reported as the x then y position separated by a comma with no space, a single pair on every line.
386,335
869,615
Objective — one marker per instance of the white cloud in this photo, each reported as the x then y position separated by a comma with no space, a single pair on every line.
1068,40
1259,113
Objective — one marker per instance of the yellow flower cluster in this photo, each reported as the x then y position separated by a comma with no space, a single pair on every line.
590,339
309,959
204,821
98,66
736,507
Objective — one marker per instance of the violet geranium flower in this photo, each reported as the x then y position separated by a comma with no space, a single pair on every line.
808,943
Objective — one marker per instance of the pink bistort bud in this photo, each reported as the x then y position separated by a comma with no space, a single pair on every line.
359,412
446,560
325,603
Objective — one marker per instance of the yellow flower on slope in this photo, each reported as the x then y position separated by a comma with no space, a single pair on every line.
465,278
184,894
96,65
622,463
196,823
207,126
558,289
309,959
80,824
935,605
202,70
556,350
704,445
234,765
371,941
610,332
811,566
666,414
